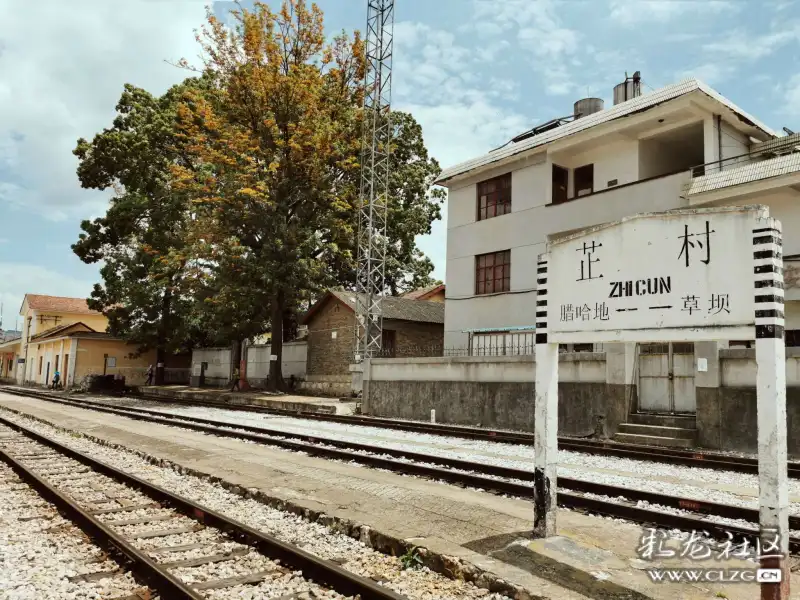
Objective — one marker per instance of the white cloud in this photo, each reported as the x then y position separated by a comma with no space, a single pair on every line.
17,279
552,47
739,45
635,12
63,69
456,132
711,73
463,110
792,97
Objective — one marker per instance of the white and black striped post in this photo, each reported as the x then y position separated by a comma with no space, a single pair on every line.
545,416
771,403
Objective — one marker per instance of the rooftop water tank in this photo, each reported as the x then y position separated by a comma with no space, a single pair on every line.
587,106
630,88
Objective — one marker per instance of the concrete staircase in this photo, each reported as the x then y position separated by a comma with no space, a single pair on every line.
649,429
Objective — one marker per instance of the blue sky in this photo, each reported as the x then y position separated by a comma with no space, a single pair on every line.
473,72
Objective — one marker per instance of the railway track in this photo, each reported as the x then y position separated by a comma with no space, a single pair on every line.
68,562
178,548
689,458
497,479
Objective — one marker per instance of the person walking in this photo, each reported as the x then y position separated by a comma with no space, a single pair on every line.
235,385
149,375
56,379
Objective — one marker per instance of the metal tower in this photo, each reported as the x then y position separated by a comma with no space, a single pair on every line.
375,150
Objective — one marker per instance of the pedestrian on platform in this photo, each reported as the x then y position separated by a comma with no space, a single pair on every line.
56,379
235,385
149,376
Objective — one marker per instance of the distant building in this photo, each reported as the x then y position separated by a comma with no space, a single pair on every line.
9,334
410,328
65,335
433,293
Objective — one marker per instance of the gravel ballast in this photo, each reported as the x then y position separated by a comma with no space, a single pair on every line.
41,551
313,537
675,480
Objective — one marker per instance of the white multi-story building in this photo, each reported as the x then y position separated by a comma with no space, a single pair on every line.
681,146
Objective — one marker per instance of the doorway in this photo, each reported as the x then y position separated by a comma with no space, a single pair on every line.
666,378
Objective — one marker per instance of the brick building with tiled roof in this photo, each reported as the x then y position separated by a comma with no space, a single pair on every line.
411,327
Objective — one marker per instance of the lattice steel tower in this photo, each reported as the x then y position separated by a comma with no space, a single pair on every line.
375,150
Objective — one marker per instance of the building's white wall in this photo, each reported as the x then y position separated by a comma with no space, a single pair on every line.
741,370
657,158
733,142
461,206
710,140
582,367
730,141
618,160
218,359
293,360
533,183
496,310
524,232
784,205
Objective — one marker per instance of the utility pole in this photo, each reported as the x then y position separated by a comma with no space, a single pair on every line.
375,153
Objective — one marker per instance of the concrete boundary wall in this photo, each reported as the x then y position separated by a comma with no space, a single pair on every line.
498,391
218,373
738,367
726,400
577,366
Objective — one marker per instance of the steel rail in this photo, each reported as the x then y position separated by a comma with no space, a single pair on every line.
694,505
135,560
312,567
477,475
691,458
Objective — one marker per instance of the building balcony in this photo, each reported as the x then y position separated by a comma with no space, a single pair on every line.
770,166
654,194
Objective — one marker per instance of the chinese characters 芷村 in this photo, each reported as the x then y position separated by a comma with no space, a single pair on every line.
698,239
587,261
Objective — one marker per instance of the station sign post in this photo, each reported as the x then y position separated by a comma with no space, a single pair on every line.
680,276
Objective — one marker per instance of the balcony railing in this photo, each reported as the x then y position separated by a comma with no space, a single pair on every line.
756,165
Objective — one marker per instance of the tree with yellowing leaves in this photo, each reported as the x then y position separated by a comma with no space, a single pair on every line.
278,143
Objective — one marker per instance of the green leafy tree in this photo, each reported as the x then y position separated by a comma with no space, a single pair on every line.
140,239
276,195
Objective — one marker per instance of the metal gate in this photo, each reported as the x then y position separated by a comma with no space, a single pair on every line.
666,378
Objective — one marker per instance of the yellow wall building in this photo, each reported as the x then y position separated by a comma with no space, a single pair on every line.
65,335
9,357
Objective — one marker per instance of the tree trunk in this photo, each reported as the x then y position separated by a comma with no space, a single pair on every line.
276,325
236,358
163,332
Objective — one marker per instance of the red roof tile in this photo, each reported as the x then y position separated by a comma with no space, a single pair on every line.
59,304
424,293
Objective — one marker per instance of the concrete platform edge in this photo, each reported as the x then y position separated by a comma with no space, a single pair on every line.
223,399
449,566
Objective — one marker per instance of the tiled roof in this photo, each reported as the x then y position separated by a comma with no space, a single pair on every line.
60,329
755,171
421,293
9,343
59,304
622,109
402,309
